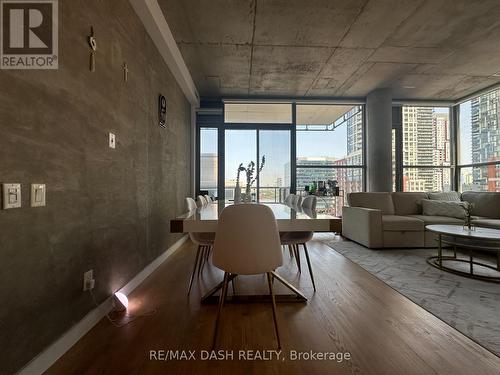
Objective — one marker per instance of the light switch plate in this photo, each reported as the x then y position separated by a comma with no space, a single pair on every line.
112,140
38,195
11,196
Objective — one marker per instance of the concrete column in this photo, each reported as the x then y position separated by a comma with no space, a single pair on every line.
379,140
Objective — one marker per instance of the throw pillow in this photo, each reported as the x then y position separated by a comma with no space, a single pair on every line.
444,208
445,196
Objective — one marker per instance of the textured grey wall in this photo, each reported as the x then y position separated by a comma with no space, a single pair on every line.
106,209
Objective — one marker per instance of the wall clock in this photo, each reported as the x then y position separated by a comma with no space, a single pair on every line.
162,111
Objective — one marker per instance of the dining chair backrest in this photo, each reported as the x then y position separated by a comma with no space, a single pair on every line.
298,201
201,201
190,204
309,202
208,199
289,199
247,240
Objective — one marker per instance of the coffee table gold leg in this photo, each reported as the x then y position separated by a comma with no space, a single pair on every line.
440,253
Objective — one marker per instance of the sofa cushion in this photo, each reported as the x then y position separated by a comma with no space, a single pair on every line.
401,223
378,201
428,220
483,203
445,196
487,223
408,203
444,208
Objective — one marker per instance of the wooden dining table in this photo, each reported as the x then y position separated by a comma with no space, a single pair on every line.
289,218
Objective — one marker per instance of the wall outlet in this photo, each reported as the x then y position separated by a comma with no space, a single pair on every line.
88,280
112,140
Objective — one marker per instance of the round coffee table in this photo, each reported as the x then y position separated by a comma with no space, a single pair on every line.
484,239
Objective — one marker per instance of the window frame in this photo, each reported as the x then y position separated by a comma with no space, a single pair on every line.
216,120
397,125
456,116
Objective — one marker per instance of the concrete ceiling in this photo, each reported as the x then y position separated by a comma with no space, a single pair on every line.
423,49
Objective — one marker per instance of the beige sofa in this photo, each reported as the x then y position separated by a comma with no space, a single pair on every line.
379,220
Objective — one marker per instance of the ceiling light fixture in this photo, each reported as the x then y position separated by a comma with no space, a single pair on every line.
409,87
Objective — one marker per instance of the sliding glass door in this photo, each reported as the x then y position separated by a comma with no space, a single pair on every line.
243,146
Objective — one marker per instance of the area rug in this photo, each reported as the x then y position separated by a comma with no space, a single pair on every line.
470,306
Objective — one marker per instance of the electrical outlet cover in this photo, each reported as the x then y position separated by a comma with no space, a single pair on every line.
88,280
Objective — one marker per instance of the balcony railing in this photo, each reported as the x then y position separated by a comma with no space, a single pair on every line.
268,194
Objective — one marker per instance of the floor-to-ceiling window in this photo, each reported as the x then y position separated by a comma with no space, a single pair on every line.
479,143
300,147
258,133
426,149
329,152
208,160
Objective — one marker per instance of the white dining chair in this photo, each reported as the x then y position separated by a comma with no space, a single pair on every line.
238,252
201,201
208,199
295,239
289,199
205,241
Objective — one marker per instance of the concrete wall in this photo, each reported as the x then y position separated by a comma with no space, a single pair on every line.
106,209
379,140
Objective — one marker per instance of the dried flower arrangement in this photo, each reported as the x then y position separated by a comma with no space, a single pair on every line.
249,170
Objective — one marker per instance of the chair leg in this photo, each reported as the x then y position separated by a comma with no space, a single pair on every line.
234,287
202,255
290,251
273,301
203,259
309,265
194,269
222,297
297,257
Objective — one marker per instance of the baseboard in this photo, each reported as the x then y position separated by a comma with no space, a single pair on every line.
52,353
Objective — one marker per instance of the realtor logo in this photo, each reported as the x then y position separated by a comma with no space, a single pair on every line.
29,37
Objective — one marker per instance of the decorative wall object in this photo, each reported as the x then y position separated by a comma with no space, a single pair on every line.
162,111
93,48
125,72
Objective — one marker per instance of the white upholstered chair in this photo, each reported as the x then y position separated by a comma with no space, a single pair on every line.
295,239
201,201
297,201
204,241
208,199
289,199
247,242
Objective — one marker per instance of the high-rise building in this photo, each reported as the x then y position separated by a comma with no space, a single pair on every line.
485,138
208,172
441,151
426,142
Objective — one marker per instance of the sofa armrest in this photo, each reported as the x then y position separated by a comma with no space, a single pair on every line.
363,225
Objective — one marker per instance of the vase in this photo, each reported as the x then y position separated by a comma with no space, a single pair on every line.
248,195
237,194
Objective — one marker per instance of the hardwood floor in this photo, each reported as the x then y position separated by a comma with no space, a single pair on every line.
352,311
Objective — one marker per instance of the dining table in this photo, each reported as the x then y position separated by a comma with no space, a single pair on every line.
289,219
